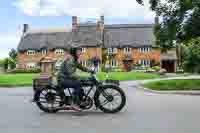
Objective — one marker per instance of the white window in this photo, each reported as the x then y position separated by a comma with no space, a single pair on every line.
127,50
83,63
59,51
31,65
145,49
111,50
144,62
114,63
31,52
44,51
83,50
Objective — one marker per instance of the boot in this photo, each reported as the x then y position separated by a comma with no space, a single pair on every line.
75,105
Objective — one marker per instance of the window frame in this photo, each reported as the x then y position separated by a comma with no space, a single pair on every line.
44,51
83,50
59,51
144,62
115,62
31,52
112,50
31,65
83,63
145,49
127,50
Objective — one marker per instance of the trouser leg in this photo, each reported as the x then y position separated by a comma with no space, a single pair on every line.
76,85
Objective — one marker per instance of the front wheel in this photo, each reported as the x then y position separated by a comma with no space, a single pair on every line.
110,99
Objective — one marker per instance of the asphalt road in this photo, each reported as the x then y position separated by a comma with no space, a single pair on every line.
144,113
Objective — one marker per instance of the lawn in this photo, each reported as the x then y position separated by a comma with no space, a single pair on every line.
26,79
127,76
16,79
167,85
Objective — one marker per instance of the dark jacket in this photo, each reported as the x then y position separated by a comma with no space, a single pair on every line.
68,70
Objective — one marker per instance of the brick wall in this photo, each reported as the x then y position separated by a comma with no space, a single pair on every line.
91,52
23,58
135,54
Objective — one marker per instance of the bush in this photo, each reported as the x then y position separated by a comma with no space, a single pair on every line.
192,56
156,68
150,70
25,71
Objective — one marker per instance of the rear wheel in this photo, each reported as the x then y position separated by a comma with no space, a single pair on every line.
111,99
48,100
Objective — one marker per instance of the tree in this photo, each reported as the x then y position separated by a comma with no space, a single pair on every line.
5,63
180,21
192,55
13,54
192,25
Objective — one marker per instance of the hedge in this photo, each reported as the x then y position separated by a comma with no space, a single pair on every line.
25,71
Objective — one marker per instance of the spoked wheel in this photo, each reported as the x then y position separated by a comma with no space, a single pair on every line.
48,100
111,99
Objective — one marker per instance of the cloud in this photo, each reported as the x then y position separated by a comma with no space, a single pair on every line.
7,42
84,8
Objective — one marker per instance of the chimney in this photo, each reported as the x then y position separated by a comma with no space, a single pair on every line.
25,28
100,24
74,23
102,19
156,20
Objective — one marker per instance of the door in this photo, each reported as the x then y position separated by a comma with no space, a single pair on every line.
168,65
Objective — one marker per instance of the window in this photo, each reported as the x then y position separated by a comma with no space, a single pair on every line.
31,52
59,51
111,50
44,51
127,50
31,65
83,50
83,63
144,62
114,63
145,49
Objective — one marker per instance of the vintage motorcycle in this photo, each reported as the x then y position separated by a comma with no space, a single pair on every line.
105,95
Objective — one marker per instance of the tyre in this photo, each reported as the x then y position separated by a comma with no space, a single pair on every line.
48,96
105,99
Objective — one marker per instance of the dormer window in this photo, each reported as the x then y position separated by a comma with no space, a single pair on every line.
83,50
31,52
144,49
44,51
127,50
111,50
59,51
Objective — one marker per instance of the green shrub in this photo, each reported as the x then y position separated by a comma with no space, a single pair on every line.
26,71
156,68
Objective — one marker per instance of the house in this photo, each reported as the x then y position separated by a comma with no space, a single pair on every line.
124,42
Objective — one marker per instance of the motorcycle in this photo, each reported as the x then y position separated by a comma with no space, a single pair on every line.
105,95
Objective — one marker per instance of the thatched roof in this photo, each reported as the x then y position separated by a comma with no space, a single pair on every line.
117,35
132,35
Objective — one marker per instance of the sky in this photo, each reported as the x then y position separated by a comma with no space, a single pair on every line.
57,14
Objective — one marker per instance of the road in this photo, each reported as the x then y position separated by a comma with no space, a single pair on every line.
144,113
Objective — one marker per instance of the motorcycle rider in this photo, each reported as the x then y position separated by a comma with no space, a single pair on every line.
67,77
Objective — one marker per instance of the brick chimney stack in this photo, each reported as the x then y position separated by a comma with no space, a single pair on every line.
100,24
102,19
74,23
25,28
